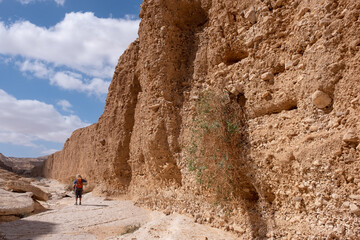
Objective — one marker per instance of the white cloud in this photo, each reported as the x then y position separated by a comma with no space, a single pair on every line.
65,79
25,1
82,42
73,81
49,151
22,122
65,105
16,138
60,2
36,67
97,86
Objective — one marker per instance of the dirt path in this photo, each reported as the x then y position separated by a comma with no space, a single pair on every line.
101,219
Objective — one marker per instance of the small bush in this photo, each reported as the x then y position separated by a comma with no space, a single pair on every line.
212,154
131,229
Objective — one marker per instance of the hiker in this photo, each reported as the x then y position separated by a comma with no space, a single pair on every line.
78,187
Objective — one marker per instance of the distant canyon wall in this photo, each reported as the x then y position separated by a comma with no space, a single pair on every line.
25,166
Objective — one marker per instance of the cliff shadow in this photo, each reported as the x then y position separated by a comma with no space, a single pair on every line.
124,171
248,189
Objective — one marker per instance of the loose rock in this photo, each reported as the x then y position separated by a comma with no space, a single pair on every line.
321,99
355,197
267,77
251,16
354,209
351,137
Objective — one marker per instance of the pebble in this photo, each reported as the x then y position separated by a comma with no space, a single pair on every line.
325,22
288,64
314,128
354,209
316,163
336,67
251,16
297,199
355,43
268,76
318,203
351,137
335,196
355,197
309,120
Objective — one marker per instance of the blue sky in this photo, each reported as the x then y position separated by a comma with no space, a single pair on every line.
57,58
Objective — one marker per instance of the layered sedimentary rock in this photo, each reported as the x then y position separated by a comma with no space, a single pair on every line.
15,203
24,166
243,114
18,196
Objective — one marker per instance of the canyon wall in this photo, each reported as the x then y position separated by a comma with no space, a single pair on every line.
243,114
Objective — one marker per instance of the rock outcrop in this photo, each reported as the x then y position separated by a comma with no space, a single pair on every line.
23,187
15,203
18,196
243,114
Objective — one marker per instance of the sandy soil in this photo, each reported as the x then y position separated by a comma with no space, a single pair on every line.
99,218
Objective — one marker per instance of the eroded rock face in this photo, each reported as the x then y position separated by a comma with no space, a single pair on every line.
213,104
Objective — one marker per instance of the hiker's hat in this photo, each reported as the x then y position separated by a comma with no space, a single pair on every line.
78,176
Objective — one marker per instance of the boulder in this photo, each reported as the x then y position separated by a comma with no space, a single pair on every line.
321,99
15,203
17,186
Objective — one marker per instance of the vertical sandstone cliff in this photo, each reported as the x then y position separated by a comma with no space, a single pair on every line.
243,114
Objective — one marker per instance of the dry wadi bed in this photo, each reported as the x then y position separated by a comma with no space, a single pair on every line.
97,218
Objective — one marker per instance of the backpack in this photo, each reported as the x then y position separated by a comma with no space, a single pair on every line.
79,183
